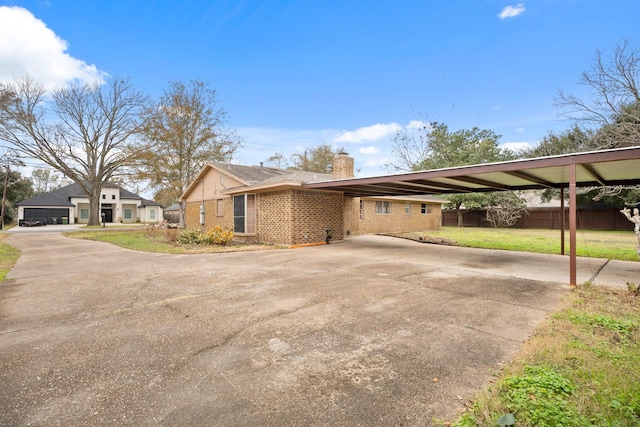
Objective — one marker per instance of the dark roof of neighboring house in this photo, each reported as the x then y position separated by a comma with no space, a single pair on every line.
62,196
173,207
146,203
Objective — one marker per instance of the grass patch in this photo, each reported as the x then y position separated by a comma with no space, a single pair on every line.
8,257
158,241
581,368
618,245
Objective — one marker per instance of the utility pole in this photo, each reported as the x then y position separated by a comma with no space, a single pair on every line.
4,197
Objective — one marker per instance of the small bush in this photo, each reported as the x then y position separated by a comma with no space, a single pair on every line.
212,236
216,236
190,236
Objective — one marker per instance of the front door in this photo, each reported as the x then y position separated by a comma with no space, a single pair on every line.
108,214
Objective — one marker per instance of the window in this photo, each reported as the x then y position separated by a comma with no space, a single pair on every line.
244,213
104,197
407,208
425,208
152,214
220,207
361,210
383,207
113,197
84,213
127,214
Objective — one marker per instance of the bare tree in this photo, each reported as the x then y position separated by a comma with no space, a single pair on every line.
277,161
615,109
85,131
505,208
635,219
44,179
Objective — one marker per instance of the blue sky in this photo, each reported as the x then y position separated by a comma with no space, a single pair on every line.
294,74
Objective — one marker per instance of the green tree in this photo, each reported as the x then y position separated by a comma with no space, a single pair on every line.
317,159
187,129
434,146
85,131
18,189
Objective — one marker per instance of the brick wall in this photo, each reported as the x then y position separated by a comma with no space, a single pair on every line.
211,218
312,212
343,166
396,221
273,217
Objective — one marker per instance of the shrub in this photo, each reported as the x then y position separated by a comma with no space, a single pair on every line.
212,236
216,236
189,236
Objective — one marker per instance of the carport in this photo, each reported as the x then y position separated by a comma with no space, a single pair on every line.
592,169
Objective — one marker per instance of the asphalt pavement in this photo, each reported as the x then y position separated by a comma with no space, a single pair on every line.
369,331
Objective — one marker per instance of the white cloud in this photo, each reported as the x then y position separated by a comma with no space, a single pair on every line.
520,129
369,150
516,146
28,47
368,133
512,11
417,125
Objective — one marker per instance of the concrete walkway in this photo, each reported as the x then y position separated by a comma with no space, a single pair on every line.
370,331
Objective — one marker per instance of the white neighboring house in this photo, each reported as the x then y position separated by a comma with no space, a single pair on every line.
69,205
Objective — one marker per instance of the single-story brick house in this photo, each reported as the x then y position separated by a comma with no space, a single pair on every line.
269,205
70,205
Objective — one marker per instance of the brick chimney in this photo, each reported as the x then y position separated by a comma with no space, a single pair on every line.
342,166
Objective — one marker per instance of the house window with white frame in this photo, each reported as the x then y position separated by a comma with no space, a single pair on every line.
383,207
84,213
127,213
244,213
152,214
425,209
407,208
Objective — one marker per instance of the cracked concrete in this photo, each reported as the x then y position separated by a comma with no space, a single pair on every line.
369,331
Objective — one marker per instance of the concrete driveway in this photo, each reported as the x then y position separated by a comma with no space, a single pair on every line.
369,331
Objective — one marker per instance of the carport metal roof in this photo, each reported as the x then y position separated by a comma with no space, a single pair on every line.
597,168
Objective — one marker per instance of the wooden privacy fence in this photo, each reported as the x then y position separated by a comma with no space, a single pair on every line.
590,219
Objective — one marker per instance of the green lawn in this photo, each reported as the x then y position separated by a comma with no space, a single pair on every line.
619,245
8,257
157,240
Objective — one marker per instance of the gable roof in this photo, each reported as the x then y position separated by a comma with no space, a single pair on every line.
62,196
254,177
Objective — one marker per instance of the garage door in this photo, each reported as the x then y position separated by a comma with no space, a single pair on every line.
51,215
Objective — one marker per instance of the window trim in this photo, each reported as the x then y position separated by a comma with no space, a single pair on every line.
425,209
383,207
248,216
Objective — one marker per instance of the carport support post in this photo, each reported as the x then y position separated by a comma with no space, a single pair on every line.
562,221
572,222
